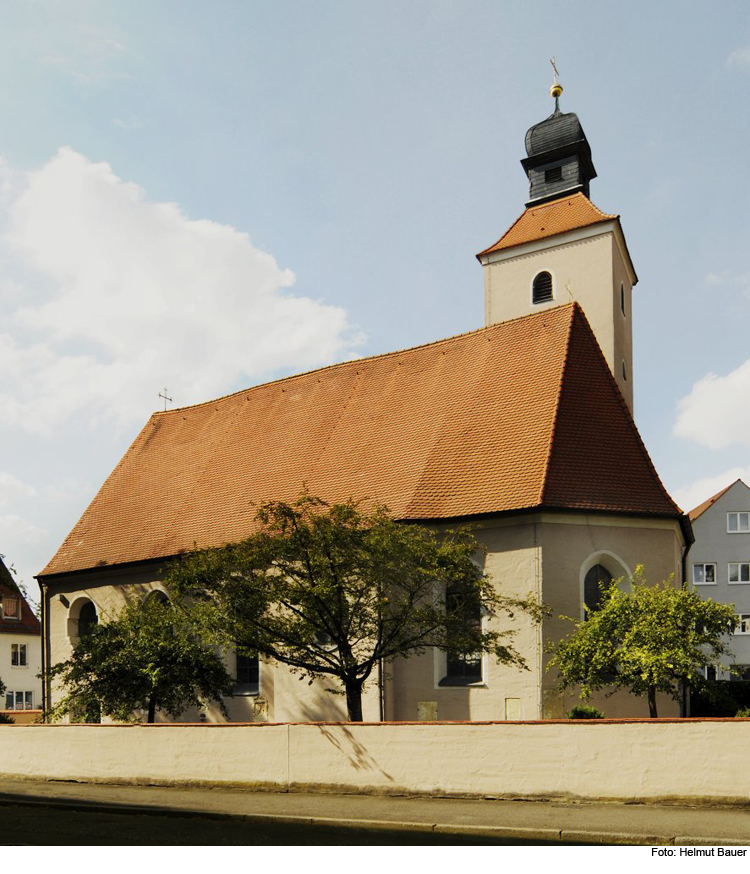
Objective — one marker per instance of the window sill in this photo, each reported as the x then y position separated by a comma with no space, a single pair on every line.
461,683
245,693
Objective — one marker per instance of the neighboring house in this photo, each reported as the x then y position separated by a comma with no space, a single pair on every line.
523,428
720,564
20,648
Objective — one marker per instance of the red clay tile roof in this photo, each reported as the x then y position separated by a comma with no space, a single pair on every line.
701,508
28,623
555,217
522,414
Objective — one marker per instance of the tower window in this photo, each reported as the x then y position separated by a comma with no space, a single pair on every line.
624,372
622,298
541,290
554,174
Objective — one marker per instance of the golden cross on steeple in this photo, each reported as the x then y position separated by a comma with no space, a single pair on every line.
557,89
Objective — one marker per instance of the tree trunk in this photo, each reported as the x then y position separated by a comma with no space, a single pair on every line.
152,709
652,702
353,699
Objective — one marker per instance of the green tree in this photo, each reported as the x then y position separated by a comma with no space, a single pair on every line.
333,590
647,639
149,657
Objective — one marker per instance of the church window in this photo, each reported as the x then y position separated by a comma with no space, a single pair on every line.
541,290
87,619
622,298
596,580
247,675
462,668
553,174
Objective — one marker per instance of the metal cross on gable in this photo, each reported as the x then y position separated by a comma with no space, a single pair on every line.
165,397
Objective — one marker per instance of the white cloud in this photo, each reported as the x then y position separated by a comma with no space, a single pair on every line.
136,296
17,530
739,58
12,489
693,494
716,413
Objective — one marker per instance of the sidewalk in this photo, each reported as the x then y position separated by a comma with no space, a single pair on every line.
528,820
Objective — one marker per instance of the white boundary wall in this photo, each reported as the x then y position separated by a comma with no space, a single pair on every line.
697,759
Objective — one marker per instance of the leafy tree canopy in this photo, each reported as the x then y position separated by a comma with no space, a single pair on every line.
648,639
330,590
148,658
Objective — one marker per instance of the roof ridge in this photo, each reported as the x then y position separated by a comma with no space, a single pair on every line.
556,415
158,414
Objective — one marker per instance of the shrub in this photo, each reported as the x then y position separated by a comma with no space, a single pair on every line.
744,712
6,720
584,711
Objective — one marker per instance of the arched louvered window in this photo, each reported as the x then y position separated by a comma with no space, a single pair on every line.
541,290
597,579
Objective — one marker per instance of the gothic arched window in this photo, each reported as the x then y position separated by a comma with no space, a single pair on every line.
541,290
87,619
597,579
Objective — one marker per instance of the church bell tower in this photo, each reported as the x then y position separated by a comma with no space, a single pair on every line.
562,248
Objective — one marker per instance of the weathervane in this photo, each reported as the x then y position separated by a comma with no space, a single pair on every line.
557,89
165,397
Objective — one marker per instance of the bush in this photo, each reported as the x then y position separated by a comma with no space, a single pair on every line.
584,711
743,712
6,720
719,697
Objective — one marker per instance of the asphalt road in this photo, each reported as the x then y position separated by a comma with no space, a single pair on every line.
39,825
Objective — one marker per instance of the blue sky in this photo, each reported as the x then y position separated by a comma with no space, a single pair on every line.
202,196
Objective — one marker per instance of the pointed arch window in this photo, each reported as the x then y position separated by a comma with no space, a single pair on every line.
541,290
596,580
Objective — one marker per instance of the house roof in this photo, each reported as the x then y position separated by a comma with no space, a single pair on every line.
522,414
549,219
701,508
28,623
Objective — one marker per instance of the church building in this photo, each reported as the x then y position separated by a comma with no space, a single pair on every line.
523,427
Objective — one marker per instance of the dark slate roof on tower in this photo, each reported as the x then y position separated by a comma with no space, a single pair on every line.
520,415
560,129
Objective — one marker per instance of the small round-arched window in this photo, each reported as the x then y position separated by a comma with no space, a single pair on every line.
541,290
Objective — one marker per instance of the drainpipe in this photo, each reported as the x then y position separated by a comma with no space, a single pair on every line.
43,595
689,540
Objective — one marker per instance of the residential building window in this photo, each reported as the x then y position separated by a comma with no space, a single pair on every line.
743,624
740,672
19,700
11,608
462,668
739,571
709,671
704,574
738,523
541,290
18,655
247,674
596,580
